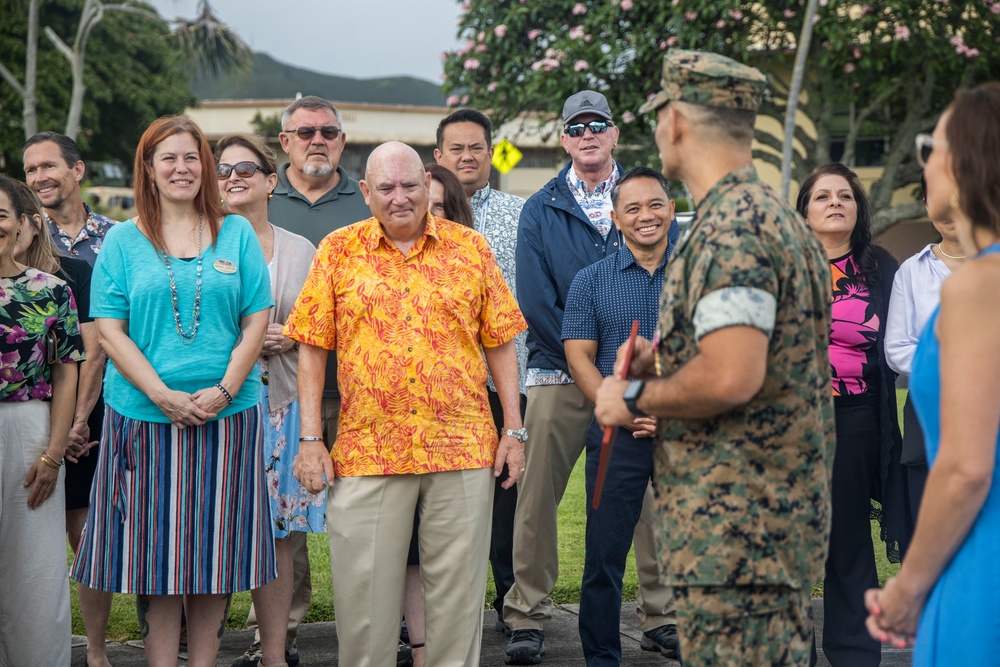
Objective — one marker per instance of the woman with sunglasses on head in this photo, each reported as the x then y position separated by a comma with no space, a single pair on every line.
34,248
40,346
246,177
178,512
945,595
916,292
867,477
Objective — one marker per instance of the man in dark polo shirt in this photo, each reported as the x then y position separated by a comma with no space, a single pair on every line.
314,197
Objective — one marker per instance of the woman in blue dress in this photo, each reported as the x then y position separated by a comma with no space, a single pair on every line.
945,598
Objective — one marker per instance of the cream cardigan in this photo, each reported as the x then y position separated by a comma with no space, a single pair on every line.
290,263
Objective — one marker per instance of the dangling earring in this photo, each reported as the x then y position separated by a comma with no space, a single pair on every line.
954,200
270,196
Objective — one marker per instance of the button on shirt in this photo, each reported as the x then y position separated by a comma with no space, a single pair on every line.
409,333
606,297
88,242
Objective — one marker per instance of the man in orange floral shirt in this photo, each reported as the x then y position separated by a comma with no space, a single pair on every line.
410,303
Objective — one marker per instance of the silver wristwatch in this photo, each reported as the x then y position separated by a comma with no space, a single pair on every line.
519,434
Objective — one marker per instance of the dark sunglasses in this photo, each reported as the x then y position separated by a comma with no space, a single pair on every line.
925,146
596,127
329,132
242,169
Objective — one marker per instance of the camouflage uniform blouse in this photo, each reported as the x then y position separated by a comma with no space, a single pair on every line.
744,497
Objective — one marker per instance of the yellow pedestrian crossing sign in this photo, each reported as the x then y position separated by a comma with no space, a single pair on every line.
505,156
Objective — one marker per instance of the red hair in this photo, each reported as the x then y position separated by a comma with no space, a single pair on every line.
147,198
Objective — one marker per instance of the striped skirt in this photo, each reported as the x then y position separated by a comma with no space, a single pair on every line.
178,511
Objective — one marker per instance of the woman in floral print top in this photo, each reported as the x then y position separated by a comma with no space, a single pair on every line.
40,346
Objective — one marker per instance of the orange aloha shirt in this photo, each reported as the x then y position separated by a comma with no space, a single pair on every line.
409,332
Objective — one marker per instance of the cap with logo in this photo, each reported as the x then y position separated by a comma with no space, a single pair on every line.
708,80
586,101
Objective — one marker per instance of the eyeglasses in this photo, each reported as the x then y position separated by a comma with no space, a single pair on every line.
306,132
925,146
596,127
242,169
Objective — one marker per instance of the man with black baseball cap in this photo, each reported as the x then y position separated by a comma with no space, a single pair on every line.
565,227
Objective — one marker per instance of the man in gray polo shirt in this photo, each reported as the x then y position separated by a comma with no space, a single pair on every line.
314,197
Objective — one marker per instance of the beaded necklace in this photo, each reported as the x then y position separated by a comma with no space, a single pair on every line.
187,337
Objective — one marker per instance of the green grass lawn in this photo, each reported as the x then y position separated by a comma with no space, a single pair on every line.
572,526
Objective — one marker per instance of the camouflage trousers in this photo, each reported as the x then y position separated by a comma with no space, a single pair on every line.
744,625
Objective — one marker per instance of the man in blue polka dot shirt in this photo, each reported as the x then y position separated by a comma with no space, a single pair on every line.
603,300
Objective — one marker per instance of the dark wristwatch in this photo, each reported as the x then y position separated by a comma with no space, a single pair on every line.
519,434
632,393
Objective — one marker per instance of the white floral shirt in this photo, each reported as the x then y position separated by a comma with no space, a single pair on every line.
496,215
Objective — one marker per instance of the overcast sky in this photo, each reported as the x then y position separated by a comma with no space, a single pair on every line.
359,38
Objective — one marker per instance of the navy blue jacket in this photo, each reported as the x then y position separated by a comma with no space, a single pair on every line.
554,241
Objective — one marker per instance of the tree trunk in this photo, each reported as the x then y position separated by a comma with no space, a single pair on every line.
26,90
30,107
93,12
801,53
899,163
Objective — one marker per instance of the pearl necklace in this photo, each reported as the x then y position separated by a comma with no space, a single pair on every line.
187,337
941,250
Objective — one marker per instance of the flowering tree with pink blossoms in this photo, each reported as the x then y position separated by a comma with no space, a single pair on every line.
881,70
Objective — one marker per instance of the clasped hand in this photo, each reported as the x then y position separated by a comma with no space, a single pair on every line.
610,408
276,342
894,613
79,443
183,409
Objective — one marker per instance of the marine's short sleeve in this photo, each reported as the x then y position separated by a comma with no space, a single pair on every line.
737,279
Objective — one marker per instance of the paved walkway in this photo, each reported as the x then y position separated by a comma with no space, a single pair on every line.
318,644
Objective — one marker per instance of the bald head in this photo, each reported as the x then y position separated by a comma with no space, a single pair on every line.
392,153
396,189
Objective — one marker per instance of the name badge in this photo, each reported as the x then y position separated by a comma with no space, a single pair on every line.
224,266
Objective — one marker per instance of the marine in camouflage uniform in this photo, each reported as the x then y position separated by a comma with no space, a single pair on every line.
742,495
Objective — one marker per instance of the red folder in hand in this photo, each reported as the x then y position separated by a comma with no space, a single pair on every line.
609,431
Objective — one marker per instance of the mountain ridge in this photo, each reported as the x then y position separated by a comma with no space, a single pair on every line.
272,79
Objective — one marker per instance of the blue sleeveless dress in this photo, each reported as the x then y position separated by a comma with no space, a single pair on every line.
960,624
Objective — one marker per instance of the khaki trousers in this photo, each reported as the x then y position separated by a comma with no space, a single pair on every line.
654,600
370,521
301,578
557,420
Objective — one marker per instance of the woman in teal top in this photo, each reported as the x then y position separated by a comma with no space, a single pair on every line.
945,597
179,507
